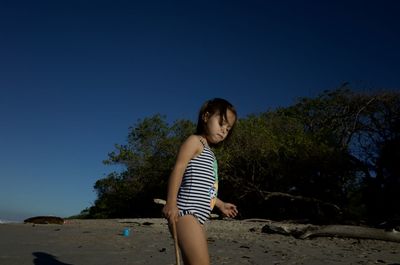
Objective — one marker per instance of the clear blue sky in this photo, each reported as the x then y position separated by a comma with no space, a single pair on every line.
75,75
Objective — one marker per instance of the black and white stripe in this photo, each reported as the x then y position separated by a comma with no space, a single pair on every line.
194,194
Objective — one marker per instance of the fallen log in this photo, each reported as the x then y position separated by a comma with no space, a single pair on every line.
346,231
351,231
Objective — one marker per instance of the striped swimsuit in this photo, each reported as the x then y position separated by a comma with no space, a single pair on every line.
198,192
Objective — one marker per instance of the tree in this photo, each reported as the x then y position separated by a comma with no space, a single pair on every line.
360,127
272,152
380,145
148,158
339,150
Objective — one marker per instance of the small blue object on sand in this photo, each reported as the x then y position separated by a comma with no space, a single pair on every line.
126,231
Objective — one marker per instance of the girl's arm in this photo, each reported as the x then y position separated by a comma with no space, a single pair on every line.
228,209
189,149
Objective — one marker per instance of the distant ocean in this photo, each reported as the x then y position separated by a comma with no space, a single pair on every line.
2,221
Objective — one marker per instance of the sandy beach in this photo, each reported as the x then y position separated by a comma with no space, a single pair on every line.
98,242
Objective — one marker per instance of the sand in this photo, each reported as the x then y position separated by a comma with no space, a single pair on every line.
98,242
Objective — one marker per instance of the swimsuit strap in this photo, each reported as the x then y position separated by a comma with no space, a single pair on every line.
202,141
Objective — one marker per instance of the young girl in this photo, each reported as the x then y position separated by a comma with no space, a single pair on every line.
193,183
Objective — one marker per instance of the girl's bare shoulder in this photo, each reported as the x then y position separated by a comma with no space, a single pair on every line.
193,145
194,139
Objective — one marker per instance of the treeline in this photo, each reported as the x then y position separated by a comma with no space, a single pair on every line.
333,158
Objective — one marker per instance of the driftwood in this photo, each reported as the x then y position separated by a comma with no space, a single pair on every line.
174,234
163,202
288,206
45,220
346,231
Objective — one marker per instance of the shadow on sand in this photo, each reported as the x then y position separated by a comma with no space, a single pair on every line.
42,258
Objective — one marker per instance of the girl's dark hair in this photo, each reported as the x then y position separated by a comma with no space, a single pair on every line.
216,105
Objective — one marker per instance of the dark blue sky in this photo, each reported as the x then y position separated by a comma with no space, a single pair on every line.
75,75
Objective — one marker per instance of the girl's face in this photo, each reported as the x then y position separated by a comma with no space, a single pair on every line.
217,131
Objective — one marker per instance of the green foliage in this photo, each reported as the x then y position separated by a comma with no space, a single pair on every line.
148,158
340,148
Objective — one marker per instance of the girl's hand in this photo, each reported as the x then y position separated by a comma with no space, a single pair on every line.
171,213
228,209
